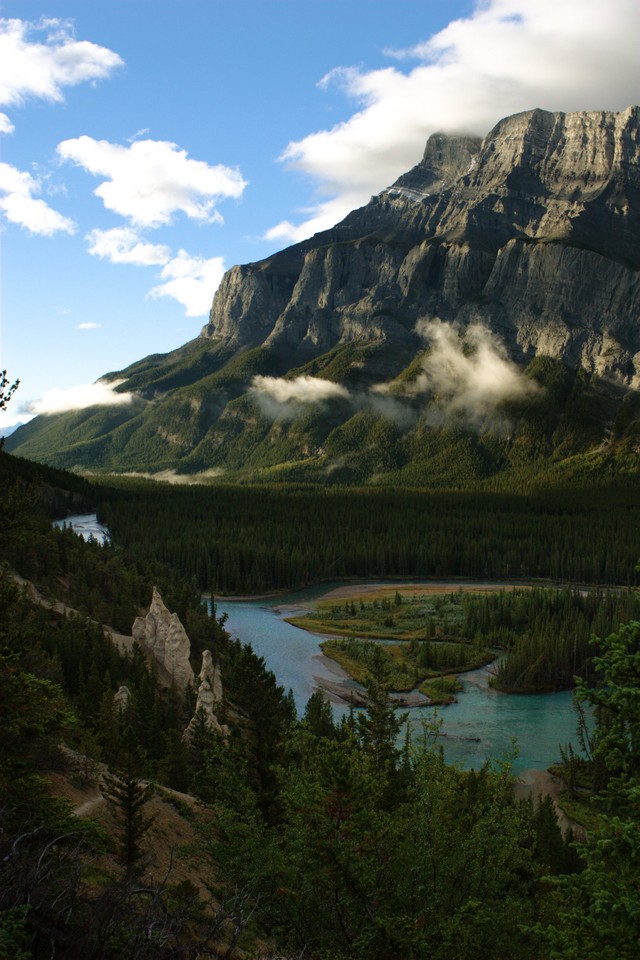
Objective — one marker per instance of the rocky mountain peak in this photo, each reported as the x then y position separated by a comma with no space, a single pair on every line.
518,252
446,158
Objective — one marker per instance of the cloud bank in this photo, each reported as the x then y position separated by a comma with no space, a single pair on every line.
42,69
283,399
124,245
191,281
37,61
468,373
19,205
149,181
508,56
80,397
465,378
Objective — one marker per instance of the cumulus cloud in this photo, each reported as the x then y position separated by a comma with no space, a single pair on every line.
5,124
508,56
282,398
124,245
191,281
468,373
38,60
80,397
89,325
149,181
19,205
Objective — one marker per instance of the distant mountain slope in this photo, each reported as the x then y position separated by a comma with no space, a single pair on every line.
476,322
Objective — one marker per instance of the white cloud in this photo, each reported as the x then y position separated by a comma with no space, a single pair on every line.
43,68
19,206
302,389
123,245
468,372
80,397
5,124
150,181
282,398
325,215
508,56
89,325
191,281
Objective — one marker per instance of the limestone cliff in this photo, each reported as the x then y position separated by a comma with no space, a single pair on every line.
161,633
314,365
534,231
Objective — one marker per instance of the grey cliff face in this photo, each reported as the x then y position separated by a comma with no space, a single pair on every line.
317,362
533,231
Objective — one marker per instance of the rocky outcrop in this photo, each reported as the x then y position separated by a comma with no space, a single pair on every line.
210,673
209,698
533,231
161,634
121,699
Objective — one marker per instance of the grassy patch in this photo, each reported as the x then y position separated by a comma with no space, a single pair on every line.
386,614
427,665
441,690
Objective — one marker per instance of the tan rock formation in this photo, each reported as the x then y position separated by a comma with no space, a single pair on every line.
211,673
161,633
209,699
121,699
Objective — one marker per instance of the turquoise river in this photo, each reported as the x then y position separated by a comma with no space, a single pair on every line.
481,725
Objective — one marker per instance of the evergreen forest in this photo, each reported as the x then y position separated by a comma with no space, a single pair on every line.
300,836
246,540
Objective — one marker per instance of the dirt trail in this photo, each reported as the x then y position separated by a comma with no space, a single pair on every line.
123,642
89,807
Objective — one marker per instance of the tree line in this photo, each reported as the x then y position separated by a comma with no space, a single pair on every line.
243,540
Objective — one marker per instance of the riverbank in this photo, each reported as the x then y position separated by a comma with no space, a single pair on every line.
416,628
480,726
352,588
542,783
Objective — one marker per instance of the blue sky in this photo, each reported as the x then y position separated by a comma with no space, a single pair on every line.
147,145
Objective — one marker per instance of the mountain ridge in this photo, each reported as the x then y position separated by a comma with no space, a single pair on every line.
489,255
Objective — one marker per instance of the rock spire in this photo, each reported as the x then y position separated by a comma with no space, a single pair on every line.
161,634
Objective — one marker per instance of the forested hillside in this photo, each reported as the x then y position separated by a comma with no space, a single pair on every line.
243,540
308,838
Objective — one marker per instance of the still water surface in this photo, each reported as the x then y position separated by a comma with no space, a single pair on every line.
539,722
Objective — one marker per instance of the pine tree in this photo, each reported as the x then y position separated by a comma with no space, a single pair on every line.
128,793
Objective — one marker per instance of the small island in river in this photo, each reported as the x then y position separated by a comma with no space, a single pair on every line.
418,628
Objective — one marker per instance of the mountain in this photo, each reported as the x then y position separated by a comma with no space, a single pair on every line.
475,323
7,431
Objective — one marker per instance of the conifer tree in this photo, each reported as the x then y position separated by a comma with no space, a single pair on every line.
128,793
